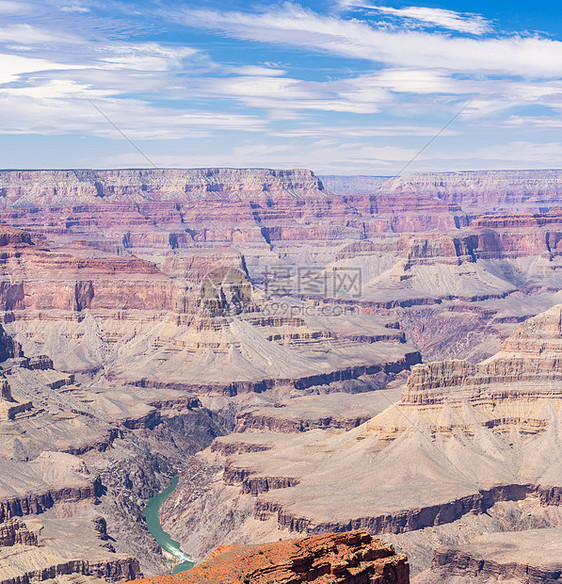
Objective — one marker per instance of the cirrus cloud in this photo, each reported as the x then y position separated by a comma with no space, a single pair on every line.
295,26
439,17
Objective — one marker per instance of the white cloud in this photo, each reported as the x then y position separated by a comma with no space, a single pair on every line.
103,67
286,94
524,153
323,157
543,122
375,92
14,8
520,154
25,34
355,131
531,57
143,57
12,67
75,7
58,89
463,23
418,80
53,111
47,89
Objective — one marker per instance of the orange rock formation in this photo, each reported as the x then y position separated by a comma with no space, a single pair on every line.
343,558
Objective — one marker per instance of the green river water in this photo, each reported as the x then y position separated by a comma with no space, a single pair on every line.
152,514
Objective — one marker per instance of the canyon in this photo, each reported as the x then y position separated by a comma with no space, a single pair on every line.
465,443
309,356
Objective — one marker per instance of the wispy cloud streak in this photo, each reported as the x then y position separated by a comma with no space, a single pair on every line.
438,17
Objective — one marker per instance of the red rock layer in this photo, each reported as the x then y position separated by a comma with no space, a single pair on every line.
342,558
37,278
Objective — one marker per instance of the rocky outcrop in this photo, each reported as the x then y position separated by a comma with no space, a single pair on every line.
100,527
301,383
5,391
550,495
489,431
14,237
40,362
9,348
33,504
336,410
340,558
518,221
10,407
399,522
261,421
227,448
16,532
256,485
462,564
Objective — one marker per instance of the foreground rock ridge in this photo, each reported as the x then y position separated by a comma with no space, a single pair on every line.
344,558
308,355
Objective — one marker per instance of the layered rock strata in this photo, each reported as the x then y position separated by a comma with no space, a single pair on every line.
145,240
14,532
531,557
60,187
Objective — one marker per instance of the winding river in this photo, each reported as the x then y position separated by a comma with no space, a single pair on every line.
152,514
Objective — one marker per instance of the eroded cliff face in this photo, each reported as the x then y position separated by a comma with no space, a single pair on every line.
528,366
58,188
89,311
342,558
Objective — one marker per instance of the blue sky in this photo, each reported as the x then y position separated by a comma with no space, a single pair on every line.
342,86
